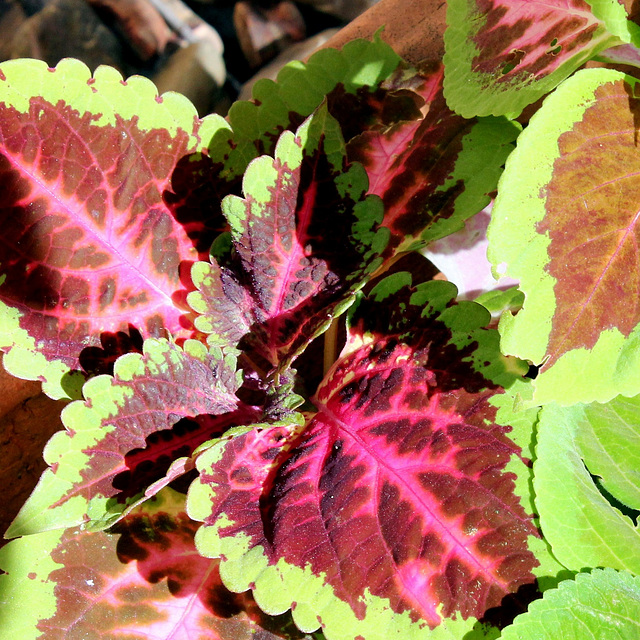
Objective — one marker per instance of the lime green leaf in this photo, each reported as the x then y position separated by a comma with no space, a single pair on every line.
583,529
521,423
26,593
609,441
497,301
603,604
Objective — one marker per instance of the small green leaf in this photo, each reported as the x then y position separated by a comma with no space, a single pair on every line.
497,301
603,604
583,529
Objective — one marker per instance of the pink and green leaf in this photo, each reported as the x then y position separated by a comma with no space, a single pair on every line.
503,55
566,225
393,505
627,54
143,579
435,170
287,276
135,429
89,244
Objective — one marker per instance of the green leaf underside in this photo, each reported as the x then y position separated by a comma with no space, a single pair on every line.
499,300
573,183
392,505
126,433
603,604
288,276
89,245
435,171
583,529
143,580
503,55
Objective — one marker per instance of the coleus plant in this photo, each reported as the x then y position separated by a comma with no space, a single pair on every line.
461,469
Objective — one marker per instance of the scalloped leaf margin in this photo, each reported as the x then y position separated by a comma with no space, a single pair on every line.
149,392
69,138
565,224
365,385
601,604
143,578
306,237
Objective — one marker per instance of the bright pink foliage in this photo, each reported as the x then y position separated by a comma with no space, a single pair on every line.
397,484
88,244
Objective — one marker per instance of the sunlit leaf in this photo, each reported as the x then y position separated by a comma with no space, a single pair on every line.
393,503
601,604
566,225
583,529
502,55
89,245
144,579
127,432
609,441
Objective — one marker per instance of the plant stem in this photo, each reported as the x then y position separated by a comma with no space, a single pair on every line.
330,346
